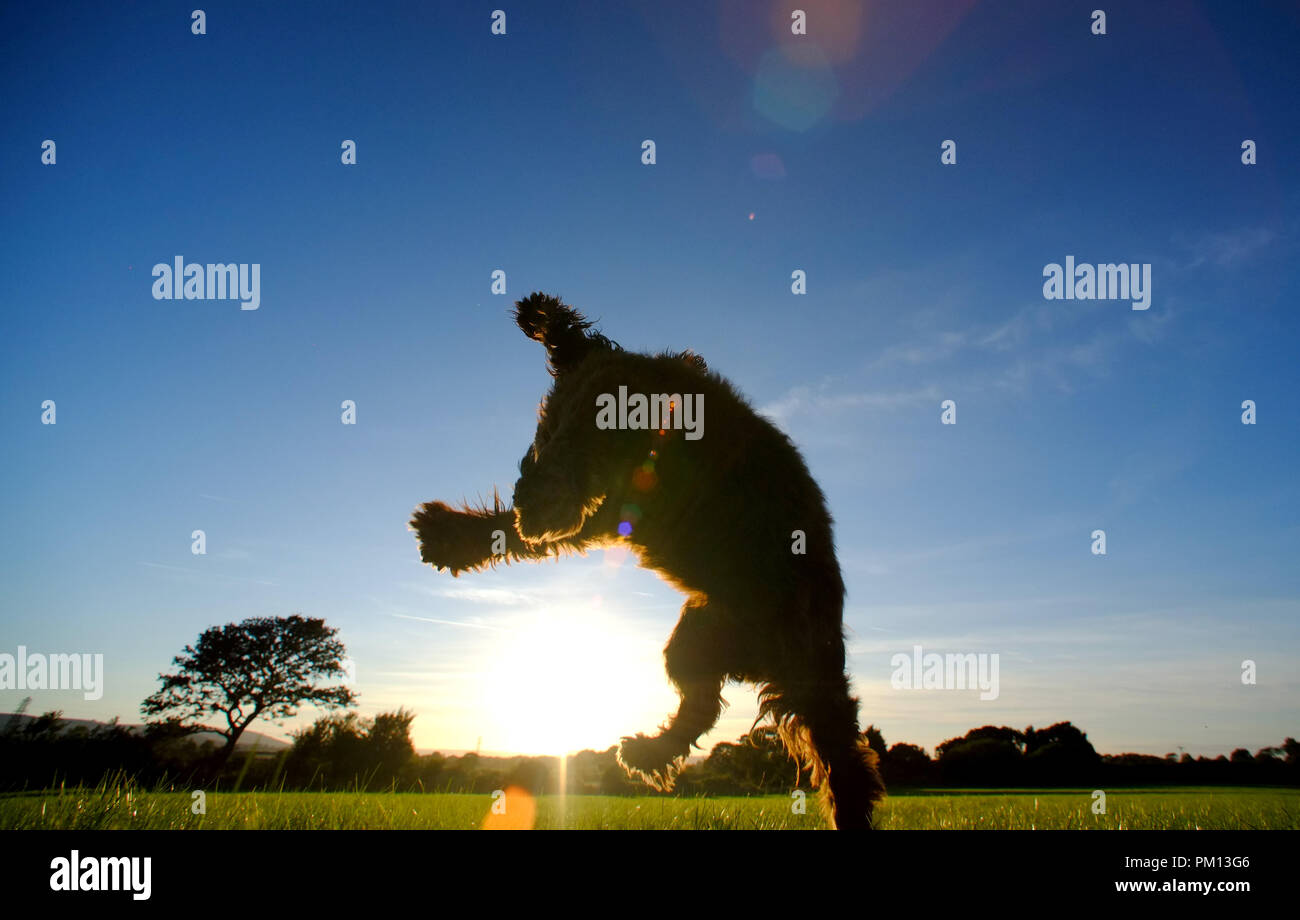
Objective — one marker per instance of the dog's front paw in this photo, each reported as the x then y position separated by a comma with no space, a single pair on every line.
547,507
655,761
451,539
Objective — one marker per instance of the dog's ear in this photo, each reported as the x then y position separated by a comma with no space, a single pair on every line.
559,327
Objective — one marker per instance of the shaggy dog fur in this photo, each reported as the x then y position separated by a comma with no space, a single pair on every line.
715,517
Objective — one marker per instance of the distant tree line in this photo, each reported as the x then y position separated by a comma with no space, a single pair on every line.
270,666
343,752
1061,755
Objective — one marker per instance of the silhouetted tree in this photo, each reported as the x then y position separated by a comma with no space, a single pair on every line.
330,753
47,724
615,781
875,740
343,751
985,733
538,775
907,765
1062,755
15,718
388,742
986,756
263,666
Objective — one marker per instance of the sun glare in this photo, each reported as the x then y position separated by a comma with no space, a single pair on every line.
568,677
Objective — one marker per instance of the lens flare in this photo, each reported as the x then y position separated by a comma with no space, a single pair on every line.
514,811
795,87
644,477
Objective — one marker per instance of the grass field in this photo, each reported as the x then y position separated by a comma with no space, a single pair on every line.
117,807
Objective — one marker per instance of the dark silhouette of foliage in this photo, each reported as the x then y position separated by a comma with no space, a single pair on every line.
984,733
1060,755
342,751
345,752
907,765
985,756
875,740
757,764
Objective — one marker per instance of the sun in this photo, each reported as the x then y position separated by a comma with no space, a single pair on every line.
571,676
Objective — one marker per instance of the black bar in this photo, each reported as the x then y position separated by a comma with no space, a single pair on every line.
331,869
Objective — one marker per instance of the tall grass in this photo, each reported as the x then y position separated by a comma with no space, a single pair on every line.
117,803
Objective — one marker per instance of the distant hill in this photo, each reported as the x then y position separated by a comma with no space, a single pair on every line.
248,741
267,744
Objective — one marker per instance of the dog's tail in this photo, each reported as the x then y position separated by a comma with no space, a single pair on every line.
563,330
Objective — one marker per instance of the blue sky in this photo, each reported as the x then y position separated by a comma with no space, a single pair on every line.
522,153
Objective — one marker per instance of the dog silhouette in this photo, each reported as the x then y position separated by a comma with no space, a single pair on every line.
732,518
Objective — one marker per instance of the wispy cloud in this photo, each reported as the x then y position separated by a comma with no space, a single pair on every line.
459,623
486,596
1228,249
1031,348
202,574
937,347
804,400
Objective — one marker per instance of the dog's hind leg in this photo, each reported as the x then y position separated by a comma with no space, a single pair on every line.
818,720
697,660
852,782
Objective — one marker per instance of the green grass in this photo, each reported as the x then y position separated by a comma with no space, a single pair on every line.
112,806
